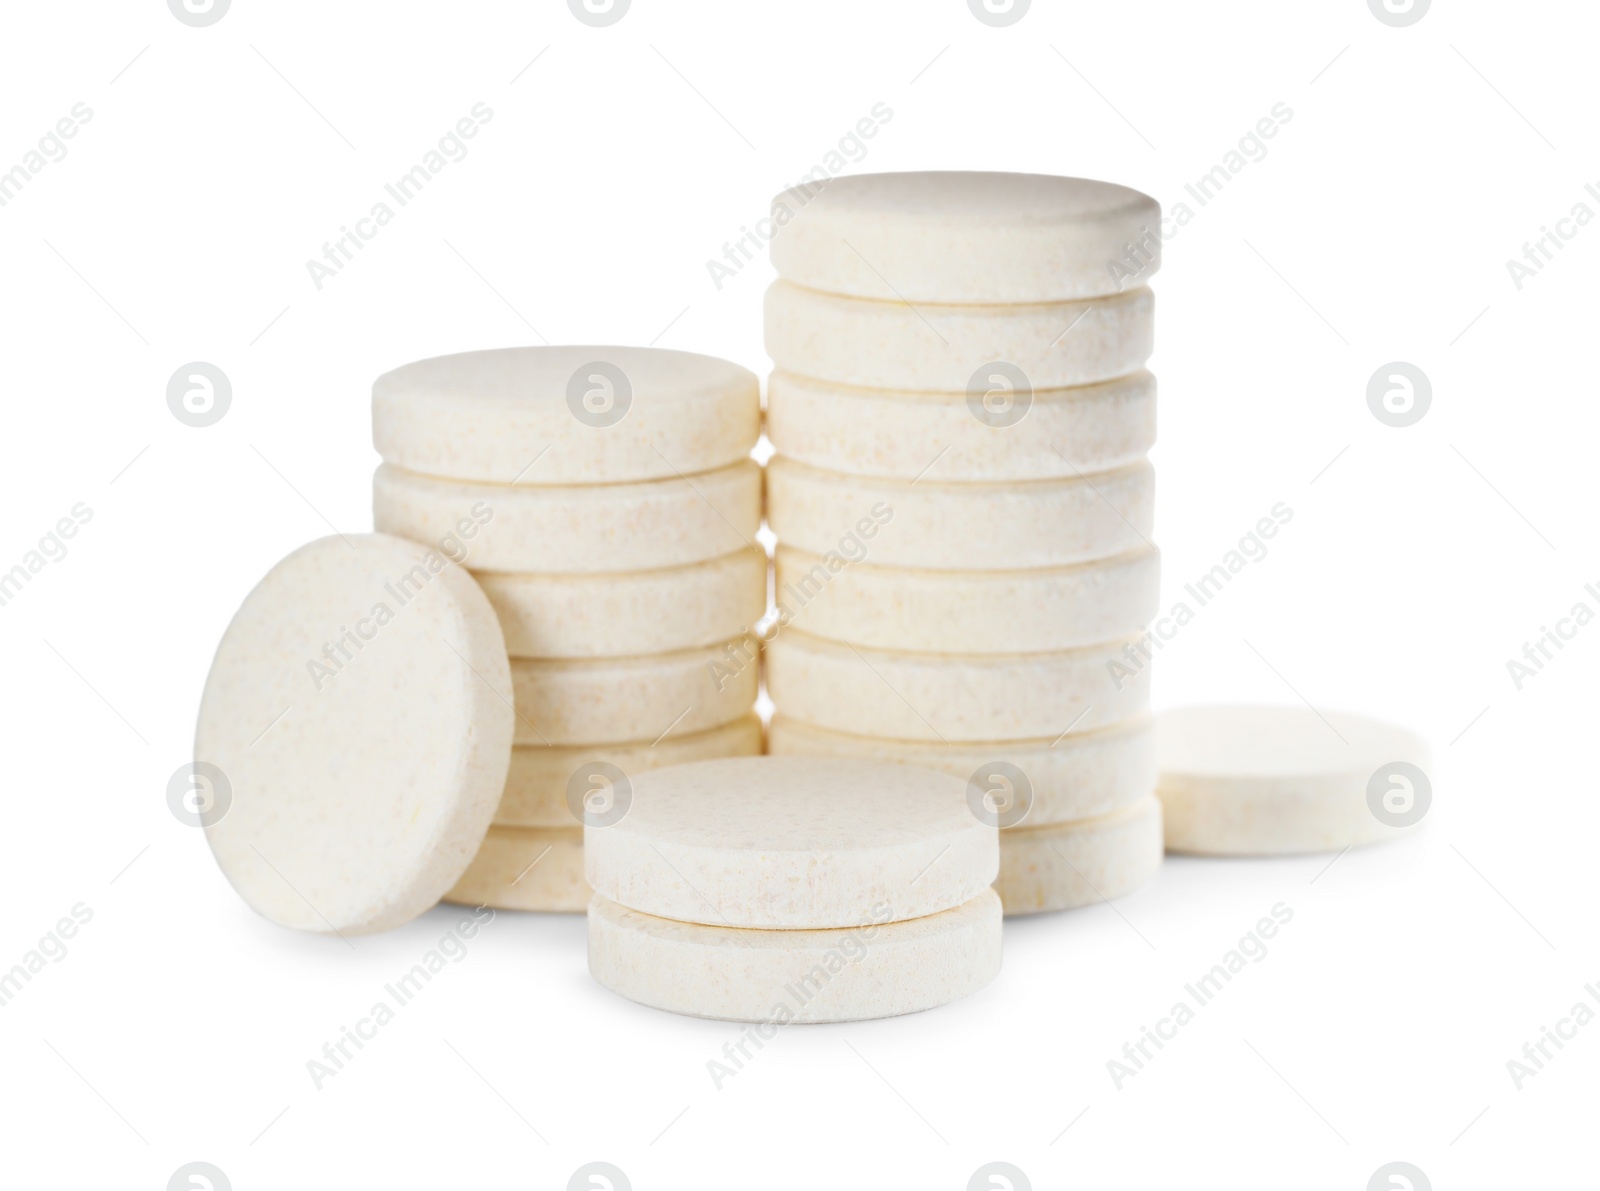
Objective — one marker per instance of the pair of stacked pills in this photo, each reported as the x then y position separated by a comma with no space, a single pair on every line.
773,890
963,504
603,499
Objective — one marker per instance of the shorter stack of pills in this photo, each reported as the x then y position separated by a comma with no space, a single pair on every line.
783,889
604,500
963,505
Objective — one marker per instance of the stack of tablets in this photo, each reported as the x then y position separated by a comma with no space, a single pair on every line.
782,889
963,504
604,500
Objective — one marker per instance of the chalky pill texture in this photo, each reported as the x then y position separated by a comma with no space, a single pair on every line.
547,782
1062,866
997,429
962,526
358,710
950,236
790,843
1017,611
628,612
1248,781
892,345
1081,775
575,528
565,414
526,868
874,968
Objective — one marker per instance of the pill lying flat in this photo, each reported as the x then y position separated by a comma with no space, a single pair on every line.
574,528
520,868
1067,865
954,349
950,697
1246,781
790,843
630,612
565,415
999,431
647,697
1047,608
775,977
353,735
948,236
1028,783
545,783
961,526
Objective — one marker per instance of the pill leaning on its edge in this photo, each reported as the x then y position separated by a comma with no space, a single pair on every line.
356,730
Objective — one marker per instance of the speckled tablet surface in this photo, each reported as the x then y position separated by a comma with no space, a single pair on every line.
646,697
961,526
951,697
519,868
565,415
895,345
627,612
1028,783
583,528
1067,865
870,969
1000,431
354,734
956,236
545,783
975,611
792,842
1247,781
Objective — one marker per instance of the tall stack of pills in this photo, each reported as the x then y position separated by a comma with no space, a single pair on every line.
963,505
603,499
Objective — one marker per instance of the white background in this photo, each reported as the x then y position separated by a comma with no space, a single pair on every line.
1419,560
